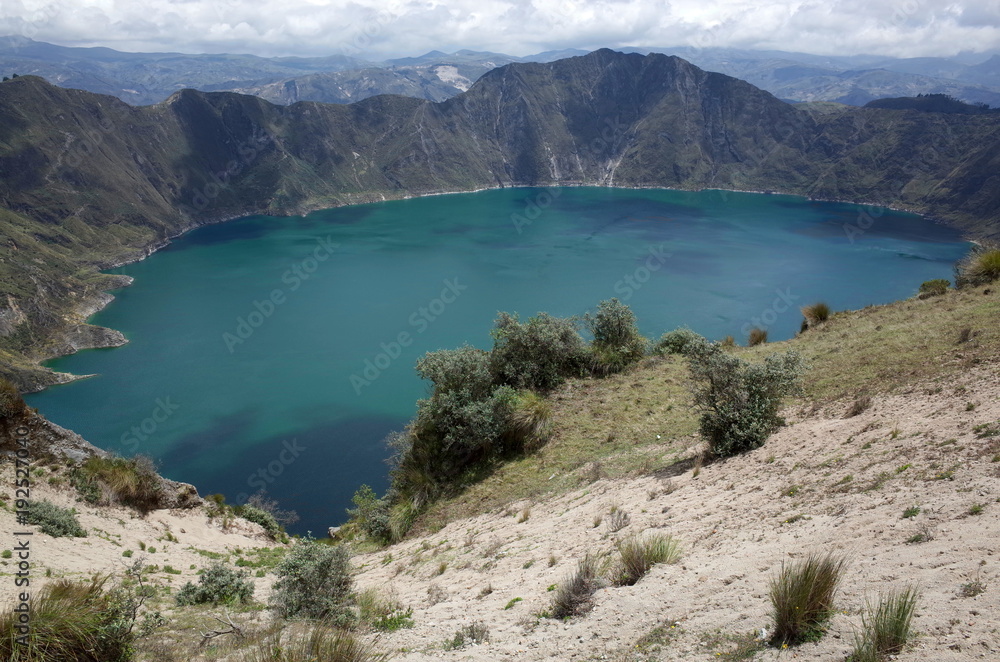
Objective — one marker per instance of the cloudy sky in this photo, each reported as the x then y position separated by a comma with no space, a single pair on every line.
389,28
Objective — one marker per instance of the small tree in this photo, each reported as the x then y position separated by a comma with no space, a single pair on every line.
739,400
371,513
617,341
314,581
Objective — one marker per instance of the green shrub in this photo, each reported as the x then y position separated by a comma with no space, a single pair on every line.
617,343
933,288
314,581
676,341
802,597
132,482
885,627
11,403
538,354
218,584
78,622
979,267
262,517
318,644
815,314
54,520
573,595
739,400
638,555
757,336
372,514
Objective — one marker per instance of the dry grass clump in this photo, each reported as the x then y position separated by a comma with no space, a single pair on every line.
638,555
131,482
802,597
885,626
319,642
815,314
860,405
757,336
574,594
980,267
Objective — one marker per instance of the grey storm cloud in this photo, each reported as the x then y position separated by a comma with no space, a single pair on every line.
905,28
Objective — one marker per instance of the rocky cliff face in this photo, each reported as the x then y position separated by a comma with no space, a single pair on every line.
87,181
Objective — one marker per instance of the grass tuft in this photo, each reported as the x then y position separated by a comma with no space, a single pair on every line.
802,597
757,336
815,314
885,626
574,594
638,555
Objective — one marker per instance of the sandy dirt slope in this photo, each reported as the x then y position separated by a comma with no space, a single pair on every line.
822,483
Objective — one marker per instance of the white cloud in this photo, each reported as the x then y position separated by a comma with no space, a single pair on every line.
388,28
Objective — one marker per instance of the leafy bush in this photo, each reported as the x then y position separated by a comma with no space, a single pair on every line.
757,336
979,267
54,520
815,314
802,597
676,341
538,354
885,627
78,622
262,517
638,555
314,581
320,643
131,482
218,584
933,288
573,595
372,514
617,343
11,403
739,400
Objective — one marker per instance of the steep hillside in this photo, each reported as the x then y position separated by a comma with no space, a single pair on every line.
904,483
87,181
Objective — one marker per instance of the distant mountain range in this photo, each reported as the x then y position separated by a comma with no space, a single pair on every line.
145,78
87,181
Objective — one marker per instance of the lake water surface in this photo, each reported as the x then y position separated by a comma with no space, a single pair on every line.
279,352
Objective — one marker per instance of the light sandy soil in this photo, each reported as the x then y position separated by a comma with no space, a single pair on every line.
822,483
737,520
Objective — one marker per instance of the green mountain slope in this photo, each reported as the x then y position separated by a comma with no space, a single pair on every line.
87,181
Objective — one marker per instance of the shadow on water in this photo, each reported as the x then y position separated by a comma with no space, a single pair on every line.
294,468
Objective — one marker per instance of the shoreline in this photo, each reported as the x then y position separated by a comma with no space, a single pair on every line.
87,308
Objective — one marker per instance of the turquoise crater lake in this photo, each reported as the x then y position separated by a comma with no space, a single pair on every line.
277,353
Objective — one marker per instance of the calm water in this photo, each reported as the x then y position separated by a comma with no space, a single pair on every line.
279,352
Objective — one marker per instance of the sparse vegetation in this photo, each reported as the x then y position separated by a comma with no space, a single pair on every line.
885,627
262,517
473,633
739,400
912,511
54,520
616,520
861,404
638,555
217,584
382,613
802,597
319,642
11,403
573,595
